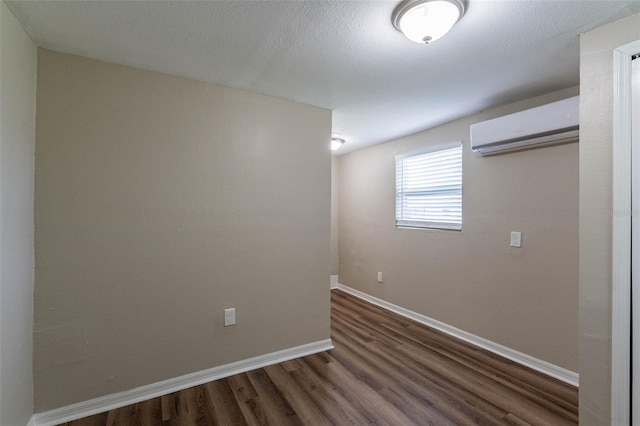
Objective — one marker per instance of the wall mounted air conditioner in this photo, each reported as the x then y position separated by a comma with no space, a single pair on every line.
549,124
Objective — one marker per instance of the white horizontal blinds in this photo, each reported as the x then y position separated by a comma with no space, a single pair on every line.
429,189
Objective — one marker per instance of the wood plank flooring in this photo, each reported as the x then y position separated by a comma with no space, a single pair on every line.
384,370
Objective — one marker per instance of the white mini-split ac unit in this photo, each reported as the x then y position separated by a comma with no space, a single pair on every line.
550,124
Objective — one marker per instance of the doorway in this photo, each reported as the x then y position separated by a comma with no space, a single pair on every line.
625,165
635,240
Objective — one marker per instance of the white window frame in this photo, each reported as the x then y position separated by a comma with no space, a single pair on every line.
420,224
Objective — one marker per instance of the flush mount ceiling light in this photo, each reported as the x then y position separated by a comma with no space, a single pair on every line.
336,143
425,21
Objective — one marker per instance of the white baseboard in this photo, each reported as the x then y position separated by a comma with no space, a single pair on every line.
333,281
544,367
143,393
32,421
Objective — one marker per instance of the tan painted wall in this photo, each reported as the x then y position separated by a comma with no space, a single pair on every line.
596,111
335,216
17,142
526,298
160,201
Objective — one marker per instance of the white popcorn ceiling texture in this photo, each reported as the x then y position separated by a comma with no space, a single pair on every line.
341,55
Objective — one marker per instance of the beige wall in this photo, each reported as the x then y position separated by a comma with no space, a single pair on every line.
160,201
524,298
335,216
17,141
596,111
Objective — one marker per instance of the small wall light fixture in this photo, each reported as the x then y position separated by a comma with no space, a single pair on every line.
425,21
336,143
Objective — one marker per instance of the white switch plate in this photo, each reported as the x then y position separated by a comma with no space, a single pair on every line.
229,316
379,277
516,239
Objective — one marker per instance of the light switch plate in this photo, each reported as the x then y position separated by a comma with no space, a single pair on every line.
516,239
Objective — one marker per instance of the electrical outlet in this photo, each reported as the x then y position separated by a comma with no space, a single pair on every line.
229,317
516,239
379,277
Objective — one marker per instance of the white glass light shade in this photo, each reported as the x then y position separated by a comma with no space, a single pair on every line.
428,20
336,143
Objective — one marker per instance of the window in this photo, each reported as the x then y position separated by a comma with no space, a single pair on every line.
429,189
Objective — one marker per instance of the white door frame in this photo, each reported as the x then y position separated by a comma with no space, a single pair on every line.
621,249
635,242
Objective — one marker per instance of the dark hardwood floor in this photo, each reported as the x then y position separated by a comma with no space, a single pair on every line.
385,369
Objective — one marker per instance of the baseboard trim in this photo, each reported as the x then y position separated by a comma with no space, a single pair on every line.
32,421
143,393
544,367
333,281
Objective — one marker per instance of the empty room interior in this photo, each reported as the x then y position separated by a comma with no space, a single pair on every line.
314,212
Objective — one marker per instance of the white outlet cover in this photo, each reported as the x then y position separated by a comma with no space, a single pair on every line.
229,316
516,239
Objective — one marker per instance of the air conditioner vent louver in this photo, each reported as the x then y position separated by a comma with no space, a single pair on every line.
550,124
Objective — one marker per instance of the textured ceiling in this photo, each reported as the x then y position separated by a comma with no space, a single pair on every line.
342,55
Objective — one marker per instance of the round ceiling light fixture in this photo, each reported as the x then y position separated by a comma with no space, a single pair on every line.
336,143
425,21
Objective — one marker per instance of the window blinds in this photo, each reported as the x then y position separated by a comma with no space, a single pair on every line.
429,189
